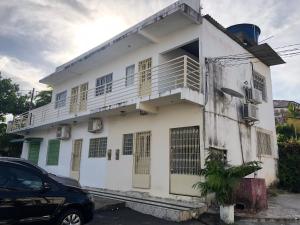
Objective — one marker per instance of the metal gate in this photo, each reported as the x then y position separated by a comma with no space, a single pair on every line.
145,77
76,158
141,171
185,161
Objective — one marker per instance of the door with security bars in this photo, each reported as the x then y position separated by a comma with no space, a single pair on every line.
141,167
145,77
185,161
74,99
83,96
76,158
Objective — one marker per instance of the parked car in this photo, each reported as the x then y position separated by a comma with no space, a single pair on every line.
28,194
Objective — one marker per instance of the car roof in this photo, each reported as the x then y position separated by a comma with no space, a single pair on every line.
23,162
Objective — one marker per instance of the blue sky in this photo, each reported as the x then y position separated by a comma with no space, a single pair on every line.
38,35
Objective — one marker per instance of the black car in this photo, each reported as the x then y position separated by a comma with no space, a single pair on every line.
28,194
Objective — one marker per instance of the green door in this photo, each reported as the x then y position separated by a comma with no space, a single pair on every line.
34,151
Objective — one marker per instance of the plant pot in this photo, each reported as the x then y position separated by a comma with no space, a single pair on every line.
227,213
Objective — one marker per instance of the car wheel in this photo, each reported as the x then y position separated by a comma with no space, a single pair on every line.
71,217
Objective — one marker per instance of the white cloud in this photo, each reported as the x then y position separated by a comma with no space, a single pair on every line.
21,72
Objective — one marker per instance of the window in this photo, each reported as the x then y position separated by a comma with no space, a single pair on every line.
127,144
98,147
185,150
53,152
104,84
19,179
60,99
129,75
259,83
264,143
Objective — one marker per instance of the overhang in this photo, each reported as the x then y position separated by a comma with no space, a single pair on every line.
263,52
33,139
175,17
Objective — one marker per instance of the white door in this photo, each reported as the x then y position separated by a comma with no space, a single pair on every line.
184,160
141,167
74,99
145,77
76,158
83,96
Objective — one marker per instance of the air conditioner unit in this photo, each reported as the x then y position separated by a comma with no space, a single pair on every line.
250,112
63,132
95,125
254,95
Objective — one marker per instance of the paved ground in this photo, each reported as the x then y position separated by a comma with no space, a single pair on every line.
126,216
284,207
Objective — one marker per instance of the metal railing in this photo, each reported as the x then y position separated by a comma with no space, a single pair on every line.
160,80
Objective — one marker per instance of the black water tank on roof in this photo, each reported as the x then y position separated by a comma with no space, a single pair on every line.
247,33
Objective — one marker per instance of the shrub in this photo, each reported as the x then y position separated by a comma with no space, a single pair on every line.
289,166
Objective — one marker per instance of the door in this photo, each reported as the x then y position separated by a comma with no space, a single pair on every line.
33,152
74,99
184,160
141,168
76,158
145,77
23,196
83,96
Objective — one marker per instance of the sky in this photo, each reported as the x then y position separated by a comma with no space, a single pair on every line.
36,36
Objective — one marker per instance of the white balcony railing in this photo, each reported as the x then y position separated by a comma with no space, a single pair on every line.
160,80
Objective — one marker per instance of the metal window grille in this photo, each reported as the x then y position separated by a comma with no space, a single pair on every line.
264,143
127,144
259,82
98,147
142,153
60,99
185,151
104,84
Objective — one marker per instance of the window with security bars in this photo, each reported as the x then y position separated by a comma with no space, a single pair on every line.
127,144
264,143
98,147
259,82
185,151
104,84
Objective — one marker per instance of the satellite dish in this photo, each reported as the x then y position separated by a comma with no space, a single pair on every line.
232,92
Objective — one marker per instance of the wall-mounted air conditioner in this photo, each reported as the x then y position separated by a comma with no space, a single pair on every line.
95,125
63,132
254,95
250,112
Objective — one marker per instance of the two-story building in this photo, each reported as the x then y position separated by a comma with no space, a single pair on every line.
140,111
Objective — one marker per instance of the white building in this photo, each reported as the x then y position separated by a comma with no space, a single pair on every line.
140,111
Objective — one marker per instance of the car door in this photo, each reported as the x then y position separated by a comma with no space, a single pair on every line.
8,210
28,195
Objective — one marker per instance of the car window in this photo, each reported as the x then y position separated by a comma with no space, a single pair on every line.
19,179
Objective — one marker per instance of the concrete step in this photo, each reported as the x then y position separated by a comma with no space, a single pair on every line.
165,208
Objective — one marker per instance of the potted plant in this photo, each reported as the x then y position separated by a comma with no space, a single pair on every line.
222,179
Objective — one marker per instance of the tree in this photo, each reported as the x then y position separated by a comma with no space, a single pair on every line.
11,101
43,98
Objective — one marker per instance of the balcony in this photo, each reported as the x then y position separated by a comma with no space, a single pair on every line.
178,79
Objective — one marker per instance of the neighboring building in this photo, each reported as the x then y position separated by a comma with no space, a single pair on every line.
281,110
139,112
